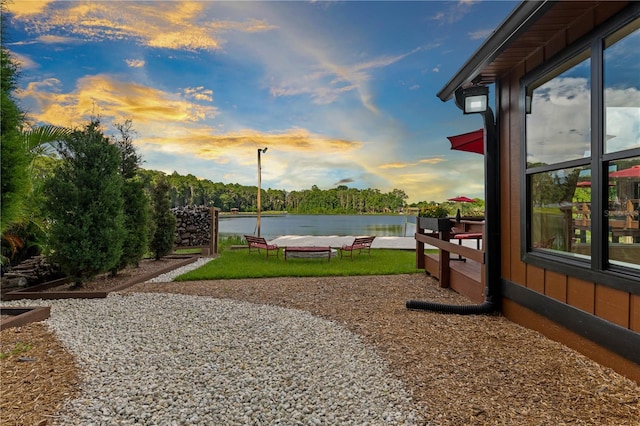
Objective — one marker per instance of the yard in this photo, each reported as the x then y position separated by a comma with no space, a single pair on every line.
459,369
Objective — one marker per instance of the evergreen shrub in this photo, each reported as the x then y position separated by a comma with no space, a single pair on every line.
164,221
84,202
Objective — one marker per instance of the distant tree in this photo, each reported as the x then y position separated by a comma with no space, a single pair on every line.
130,160
191,190
84,202
164,221
137,207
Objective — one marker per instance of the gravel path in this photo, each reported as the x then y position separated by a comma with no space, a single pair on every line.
178,359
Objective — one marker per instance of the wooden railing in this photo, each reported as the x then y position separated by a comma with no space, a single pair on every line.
441,240
622,222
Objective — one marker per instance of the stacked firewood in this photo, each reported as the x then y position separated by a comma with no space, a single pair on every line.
32,271
193,226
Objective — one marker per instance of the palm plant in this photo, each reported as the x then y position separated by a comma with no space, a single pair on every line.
26,234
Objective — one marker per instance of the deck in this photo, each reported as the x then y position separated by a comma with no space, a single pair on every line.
466,277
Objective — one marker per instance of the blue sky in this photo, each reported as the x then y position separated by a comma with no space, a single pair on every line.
340,92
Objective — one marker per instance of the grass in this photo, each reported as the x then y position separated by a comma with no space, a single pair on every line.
18,349
235,264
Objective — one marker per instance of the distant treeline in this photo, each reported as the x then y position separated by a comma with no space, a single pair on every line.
189,190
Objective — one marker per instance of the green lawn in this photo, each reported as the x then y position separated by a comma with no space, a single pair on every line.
241,264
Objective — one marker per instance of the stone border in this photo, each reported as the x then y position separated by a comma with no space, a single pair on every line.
36,292
23,315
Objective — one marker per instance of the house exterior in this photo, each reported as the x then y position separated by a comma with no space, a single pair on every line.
562,234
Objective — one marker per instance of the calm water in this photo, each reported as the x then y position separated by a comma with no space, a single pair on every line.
277,226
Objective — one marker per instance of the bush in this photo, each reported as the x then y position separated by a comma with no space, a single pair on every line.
137,220
137,215
84,201
433,210
164,221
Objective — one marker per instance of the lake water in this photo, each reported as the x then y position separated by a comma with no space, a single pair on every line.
276,226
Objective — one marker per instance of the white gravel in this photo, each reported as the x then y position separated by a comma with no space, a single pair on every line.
171,275
160,359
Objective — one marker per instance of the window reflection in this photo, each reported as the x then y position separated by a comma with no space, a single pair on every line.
622,89
622,216
561,216
558,119
558,125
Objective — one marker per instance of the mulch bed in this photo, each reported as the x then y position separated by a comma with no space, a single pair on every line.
38,375
100,286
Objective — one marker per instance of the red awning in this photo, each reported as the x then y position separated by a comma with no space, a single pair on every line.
470,142
462,199
587,184
633,171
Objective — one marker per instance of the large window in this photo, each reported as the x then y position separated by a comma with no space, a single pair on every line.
583,156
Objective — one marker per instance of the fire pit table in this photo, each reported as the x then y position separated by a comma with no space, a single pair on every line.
308,252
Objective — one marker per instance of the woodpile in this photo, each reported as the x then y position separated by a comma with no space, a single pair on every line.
32,271
193,226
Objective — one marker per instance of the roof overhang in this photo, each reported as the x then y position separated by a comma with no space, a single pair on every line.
529,27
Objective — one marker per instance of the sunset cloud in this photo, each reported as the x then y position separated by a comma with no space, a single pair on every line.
432,160
215,145
135,63
199,93
110,98
401,165
169,25
25,8
395,165
292,160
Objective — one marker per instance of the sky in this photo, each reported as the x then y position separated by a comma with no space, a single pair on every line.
341,92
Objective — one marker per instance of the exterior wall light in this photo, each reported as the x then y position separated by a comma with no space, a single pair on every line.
475,99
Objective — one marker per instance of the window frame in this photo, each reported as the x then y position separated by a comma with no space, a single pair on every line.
597,268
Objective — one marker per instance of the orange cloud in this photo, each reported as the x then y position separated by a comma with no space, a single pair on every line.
171,25
199,93
105,96
395,165
205,144
402,165
432,160
26,8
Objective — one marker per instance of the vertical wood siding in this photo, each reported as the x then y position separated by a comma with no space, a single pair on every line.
581,294
613,305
